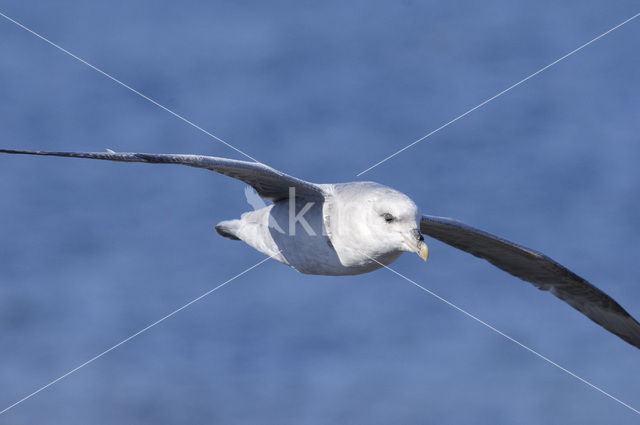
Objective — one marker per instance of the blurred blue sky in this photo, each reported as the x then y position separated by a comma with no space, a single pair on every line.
91,252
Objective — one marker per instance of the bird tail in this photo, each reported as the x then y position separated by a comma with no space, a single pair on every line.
228,229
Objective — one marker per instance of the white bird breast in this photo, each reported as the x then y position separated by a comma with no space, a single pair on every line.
314,237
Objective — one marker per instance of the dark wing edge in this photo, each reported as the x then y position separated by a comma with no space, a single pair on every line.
536,268
270,184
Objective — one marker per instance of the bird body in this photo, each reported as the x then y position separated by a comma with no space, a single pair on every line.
358,227
332,235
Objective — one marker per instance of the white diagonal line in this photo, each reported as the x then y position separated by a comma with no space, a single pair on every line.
531,350
131,337
499,94
95,68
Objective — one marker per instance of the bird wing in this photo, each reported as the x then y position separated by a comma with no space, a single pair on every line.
270,184
538,269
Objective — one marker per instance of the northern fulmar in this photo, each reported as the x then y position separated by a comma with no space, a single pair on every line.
354,228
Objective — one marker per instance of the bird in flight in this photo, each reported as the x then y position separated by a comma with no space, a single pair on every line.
358,227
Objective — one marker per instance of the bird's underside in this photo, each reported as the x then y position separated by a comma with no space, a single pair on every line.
308,250
278,187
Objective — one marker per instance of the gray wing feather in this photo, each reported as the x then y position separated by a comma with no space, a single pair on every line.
270,184
538,269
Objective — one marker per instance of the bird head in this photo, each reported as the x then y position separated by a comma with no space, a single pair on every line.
381,219
394,219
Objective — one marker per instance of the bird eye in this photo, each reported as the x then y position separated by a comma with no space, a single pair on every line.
388,217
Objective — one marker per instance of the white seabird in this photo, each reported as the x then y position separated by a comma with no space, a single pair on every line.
354,228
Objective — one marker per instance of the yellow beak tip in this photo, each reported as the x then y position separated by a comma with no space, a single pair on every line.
424,252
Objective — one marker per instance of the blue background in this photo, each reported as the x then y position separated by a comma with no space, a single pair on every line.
91,252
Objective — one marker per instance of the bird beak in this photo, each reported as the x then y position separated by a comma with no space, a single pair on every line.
423,250
420,246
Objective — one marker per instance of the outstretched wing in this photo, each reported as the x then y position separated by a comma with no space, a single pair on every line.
538,269
269,183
